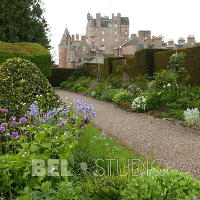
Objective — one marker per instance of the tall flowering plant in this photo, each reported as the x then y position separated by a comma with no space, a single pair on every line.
39,132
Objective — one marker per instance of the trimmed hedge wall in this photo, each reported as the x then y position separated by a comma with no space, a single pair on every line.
93,70
144,61
141,63
109,64
59,75
192,62
36,53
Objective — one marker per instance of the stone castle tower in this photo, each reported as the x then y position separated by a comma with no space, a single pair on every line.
107,34
104,36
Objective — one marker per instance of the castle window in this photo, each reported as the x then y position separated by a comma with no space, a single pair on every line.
116,39
115,24
103,39
103,32
116,32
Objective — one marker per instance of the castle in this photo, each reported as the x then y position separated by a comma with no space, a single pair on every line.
104,37
109,37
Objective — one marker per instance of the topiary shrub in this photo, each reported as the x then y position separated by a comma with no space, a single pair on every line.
22,83
162,184
34,52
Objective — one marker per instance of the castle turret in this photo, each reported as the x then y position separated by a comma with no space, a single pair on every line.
63,47
171,43
98,20
191,40
181,40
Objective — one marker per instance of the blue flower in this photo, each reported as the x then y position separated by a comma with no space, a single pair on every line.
34,111
12,118
13,124
15,135
2,129
4,125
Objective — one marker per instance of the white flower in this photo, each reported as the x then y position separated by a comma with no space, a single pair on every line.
169,85
139,103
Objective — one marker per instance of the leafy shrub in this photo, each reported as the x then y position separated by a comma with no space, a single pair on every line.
154,100
109,94
122,97
115,82
21,84
176,64
165,80
68,84
100,88
35,53
192,117
162,184
191,64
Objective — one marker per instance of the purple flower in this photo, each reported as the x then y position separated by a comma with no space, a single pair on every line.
23,120
34,111
94,114
15,135
5,110
7,134
12,118
4,125
2,129
13,124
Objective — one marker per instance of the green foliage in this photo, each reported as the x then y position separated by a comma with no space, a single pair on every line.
33,52
59,75
109,94
191,64
23,21
108,65
95,145
166,80
123,97
22,83
176,65
145,62
100,88
172,113
162,184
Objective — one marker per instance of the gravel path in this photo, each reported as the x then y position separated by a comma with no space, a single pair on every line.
149,137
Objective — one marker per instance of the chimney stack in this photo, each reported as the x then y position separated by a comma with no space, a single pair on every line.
98,20
73,38
77,37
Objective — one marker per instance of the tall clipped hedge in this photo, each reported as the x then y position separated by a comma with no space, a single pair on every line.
109,64
144,60
59,75
95,70
141,63
36,53
192,62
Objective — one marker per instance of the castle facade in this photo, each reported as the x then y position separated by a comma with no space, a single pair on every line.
104,37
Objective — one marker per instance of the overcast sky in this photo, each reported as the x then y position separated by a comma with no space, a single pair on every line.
169,18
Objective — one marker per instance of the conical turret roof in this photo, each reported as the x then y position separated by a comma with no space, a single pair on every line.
66,38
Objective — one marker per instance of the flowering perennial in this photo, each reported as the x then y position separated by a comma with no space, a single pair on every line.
139,104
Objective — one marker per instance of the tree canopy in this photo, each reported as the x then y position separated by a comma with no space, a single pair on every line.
23,21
